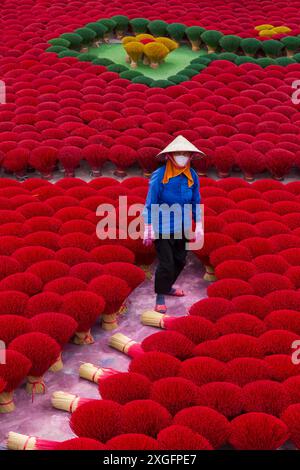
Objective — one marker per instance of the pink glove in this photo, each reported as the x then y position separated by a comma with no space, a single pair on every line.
199,234
149,235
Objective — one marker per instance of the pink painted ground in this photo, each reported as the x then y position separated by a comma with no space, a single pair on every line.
39,418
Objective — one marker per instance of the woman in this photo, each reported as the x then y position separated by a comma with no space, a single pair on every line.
172,202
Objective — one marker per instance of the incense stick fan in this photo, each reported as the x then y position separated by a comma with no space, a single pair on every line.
12,373
196,329
43,352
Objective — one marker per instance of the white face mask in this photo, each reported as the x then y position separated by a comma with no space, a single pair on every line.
181,160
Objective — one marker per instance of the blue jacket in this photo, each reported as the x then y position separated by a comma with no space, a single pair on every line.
176,191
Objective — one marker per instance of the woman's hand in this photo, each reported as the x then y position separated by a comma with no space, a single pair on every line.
149,235
199,234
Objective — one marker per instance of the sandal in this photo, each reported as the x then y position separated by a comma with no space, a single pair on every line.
177,293
160,308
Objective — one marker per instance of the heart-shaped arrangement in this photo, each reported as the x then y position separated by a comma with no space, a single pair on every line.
102,42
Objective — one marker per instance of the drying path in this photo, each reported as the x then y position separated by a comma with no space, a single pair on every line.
38,418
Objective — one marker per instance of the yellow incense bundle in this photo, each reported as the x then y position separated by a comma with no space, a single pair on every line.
35,385
83,337
16,441
121,343
140,37
127,39
67,401
151,318
6,402
134,51
169,43
110,321
156,53
58,365
209,274
93,373
146,269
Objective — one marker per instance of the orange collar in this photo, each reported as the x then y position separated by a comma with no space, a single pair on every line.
171,171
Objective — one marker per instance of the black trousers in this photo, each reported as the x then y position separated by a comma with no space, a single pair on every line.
171,255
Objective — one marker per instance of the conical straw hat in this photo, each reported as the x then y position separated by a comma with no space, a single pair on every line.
180,144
